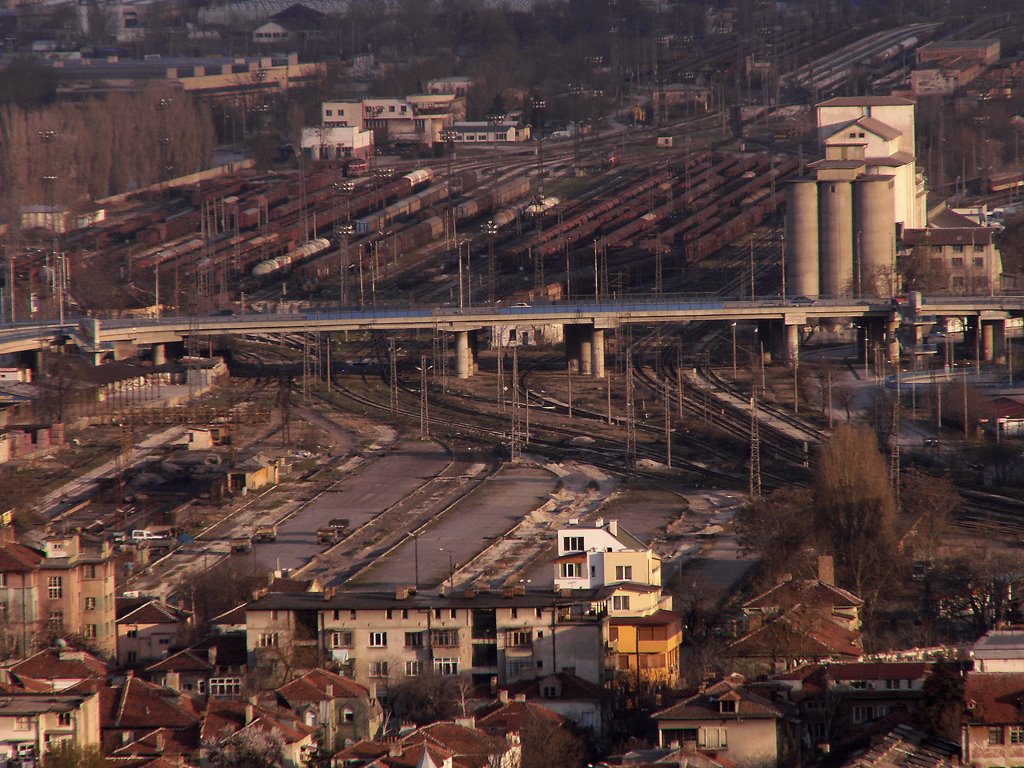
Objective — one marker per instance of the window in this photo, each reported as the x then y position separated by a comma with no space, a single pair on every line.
56,619
225,686
454,613
330,112
958,249
23,723
623,572
3,580
893,685
979,262
378,639
352,615
859,685
979,248
413,668
342,639
89,571
90,603
132,633
90,631
714,738
437,614
863,713
1017,734
446,666
572,543
539,612
413,639
519,639
64,719
55,587
515,613
727,706
348,716
133,656
268,640
405,613
620,602
996,735
378,669
571,570
388,615
446,637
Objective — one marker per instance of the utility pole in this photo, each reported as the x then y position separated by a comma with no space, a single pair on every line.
894,454
755,450
501,378
630,417
424,414
393,375
568,371
516,445
668,424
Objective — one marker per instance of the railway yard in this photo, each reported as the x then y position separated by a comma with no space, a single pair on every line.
670,414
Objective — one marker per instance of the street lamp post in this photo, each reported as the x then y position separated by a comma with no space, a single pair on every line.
491,229
734,351
451,567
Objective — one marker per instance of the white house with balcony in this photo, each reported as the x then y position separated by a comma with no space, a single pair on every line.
603,553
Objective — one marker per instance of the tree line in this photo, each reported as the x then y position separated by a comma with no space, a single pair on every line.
65,152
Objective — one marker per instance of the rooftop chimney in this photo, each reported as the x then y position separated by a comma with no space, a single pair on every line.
613,527
826,569
503,696
468,722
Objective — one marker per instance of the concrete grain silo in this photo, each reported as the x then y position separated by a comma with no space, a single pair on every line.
802,238
835,237
874,232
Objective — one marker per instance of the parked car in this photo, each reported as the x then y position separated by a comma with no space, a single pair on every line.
144,535
803,301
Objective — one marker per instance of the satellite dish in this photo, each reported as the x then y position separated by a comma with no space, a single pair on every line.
61,643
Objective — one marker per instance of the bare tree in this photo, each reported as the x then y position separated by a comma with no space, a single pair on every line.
248,748
854,509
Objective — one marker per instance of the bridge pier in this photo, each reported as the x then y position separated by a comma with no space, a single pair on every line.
597,352
159,354
993,341
579,348
463,356
586,354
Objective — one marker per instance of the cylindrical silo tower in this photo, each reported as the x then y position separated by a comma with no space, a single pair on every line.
802,238
874,234
835,237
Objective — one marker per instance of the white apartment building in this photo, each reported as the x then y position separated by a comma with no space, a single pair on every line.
602,553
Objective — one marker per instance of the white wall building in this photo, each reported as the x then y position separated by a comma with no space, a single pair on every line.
885,126
592,555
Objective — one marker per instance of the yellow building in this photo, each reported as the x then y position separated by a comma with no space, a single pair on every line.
649,644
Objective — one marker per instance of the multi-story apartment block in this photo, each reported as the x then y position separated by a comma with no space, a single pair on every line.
65,588
377,638
31,724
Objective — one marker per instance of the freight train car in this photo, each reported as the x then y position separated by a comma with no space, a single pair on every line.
304,252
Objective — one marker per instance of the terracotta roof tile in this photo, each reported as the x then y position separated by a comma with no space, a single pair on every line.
469,744
321,685
996,697
138,705
161,741
513,716
182,661
879,670
566,687
810,593
52,664
701,706
18,558
149,612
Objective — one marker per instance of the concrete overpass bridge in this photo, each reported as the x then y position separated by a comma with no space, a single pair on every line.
584,323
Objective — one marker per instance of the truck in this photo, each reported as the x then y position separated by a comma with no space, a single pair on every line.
333,532
263,534
241,544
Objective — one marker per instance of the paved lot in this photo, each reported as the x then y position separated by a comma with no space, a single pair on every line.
462,532
375,488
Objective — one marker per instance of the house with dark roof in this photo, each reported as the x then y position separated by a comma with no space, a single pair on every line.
572,697
147,629
904,746
505,718
216,666
730,719
346,711
33,723
56,669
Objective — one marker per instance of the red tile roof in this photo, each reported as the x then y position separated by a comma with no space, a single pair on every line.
810,593
182,661
513,716
52,664
656,619
18,558
321,685
994,698
470,745
798,634
705,705
184,741
138,705
879,670
224,718
567,688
